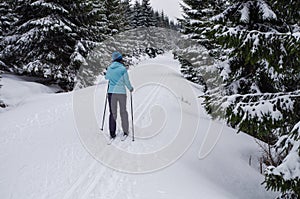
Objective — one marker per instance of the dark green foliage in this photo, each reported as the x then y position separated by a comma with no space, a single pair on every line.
278,183
287,11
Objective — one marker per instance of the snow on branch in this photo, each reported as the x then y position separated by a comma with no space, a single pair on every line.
286,175
245,13
290,166
256,106
51,6
48,23
268,14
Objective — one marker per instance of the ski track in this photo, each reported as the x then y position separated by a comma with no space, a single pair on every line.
79,181
96,177
148,100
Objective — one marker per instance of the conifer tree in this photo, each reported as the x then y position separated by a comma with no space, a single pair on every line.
97,21
260,94
136,14
6,17
196,18
50,39
156,17
146,15
127,14
113,16
162,19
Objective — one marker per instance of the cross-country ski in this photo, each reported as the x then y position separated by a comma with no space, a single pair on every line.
110,141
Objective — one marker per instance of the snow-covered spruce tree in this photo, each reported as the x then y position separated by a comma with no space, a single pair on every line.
286,176
161,17
196,18
113,12
135,14
167,22
261,91
263,66
190,72
156,17
7,17
127,14
96,22
50,39
164,20
194,22
146,18
174,25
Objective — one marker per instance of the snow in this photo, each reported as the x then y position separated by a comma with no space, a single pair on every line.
14,90
290,168
49,5
266,10
225,70
42,154
245,13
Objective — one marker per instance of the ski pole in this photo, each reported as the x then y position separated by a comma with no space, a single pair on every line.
132,116
103,118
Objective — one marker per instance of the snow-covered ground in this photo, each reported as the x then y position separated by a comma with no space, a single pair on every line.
15,90
44,153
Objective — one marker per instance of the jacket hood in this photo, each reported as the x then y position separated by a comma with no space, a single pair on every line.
115,65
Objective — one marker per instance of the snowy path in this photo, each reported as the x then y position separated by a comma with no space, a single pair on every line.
43,156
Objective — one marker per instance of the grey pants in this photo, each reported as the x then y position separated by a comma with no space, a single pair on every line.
114,100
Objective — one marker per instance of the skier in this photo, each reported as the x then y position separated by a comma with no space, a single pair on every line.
118,80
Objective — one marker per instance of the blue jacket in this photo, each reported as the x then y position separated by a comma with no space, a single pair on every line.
118,78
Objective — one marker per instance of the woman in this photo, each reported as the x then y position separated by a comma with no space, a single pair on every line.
118,81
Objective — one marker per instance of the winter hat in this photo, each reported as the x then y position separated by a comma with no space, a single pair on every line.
116,56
